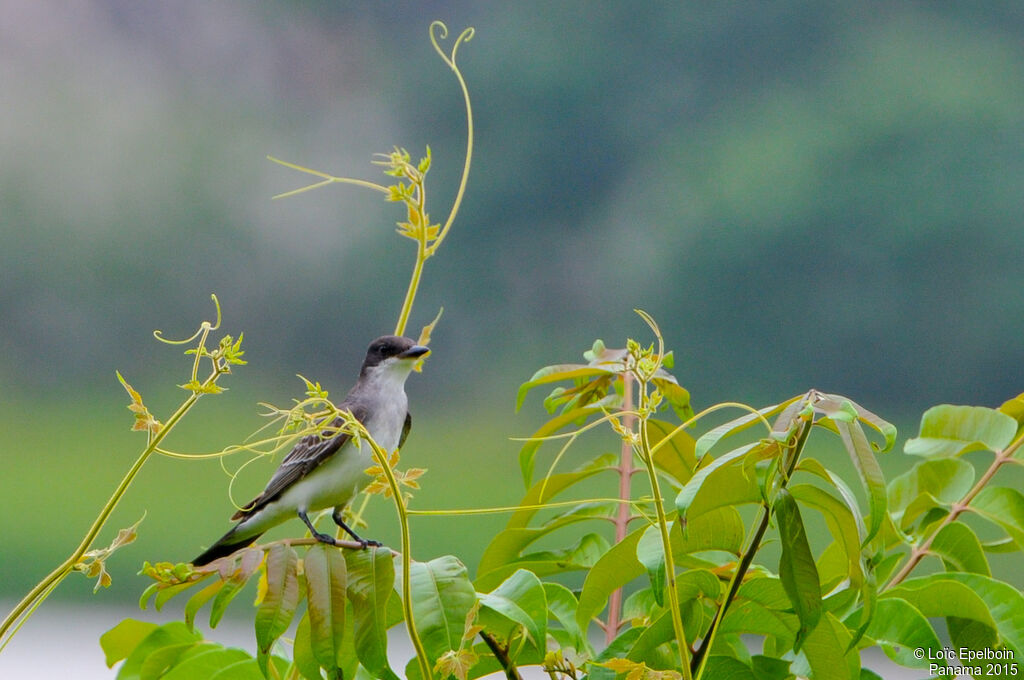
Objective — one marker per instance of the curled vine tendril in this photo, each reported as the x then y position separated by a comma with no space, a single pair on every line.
438,31
204,327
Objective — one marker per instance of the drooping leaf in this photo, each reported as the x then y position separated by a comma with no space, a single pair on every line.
1005,507
280,601
840,521
223,598
371,580
948,431
797,571
442,596
838,407
326,585
870,473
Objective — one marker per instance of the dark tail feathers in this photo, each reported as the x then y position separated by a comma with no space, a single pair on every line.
224,546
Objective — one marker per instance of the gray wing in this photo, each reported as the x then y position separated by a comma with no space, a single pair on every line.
405,429
310,452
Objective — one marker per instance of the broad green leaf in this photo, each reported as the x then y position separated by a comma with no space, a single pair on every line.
825,651
928,484
521,599
676,456
371,580
442,596
959,548
275,613
797,571
174,634
899,628
651,553
529,450
1005,507
196,602
1005,604
722,482
948,431
712,437
719,529
326,585
871,477
562,605
203,661
302,651
944,595
159,661
119,641
616,568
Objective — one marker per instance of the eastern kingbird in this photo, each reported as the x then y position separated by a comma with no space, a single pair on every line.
327,471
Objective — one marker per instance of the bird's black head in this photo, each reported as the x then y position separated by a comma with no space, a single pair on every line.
391,346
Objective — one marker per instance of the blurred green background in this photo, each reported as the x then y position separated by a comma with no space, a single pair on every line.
803,194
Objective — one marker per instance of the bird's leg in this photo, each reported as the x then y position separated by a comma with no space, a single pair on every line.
323,538
336,516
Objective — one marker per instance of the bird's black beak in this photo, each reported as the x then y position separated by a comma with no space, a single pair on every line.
414,352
